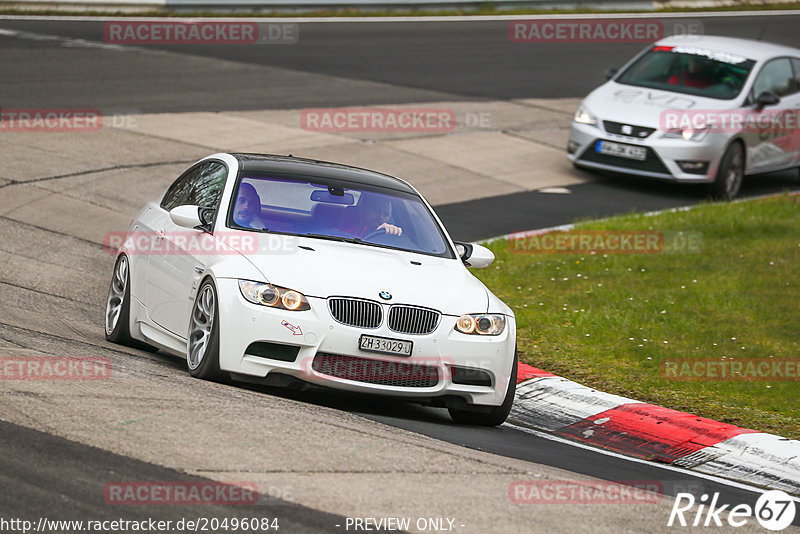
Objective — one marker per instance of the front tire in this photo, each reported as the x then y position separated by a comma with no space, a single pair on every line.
730,173
202,345
497,415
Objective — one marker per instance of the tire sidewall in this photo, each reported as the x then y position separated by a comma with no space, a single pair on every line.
121,331
720,185
209,367
498,414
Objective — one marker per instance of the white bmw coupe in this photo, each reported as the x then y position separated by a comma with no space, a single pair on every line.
276,269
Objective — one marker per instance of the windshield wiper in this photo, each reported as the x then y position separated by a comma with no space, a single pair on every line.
336,238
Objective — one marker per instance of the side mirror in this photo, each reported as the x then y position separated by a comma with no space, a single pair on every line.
186,216
610,73
474,255
767,98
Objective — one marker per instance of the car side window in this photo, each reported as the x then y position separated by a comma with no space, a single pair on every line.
179,191
776,77
201,185
796,66
208,186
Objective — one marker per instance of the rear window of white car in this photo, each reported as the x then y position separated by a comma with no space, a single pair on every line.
689,70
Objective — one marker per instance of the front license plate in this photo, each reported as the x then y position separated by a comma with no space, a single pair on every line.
623,151
398,347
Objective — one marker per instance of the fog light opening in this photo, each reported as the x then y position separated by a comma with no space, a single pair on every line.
572,146
693,167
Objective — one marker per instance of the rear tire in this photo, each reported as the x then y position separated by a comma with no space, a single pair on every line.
497,415
118,308
730,173
202,345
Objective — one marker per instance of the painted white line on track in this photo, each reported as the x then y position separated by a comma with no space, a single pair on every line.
666,467
443,18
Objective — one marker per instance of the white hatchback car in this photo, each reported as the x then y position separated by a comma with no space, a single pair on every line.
273,269
694,109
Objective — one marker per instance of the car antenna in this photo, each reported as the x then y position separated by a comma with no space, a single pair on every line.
761,33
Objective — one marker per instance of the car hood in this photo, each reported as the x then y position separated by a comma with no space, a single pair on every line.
321,268
642,106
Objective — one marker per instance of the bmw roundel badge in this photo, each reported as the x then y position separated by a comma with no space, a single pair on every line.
385,295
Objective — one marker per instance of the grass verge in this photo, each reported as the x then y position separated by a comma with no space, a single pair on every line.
613,321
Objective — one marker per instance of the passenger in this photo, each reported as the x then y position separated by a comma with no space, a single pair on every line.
247,211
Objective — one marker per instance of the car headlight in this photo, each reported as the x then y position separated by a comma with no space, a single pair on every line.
483,324
688,134
583,116
273,296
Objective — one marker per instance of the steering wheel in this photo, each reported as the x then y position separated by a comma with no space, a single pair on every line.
376,233
380,235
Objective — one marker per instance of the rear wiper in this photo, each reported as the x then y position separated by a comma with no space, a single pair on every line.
336,238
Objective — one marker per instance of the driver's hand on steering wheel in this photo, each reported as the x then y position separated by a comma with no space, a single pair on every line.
390,229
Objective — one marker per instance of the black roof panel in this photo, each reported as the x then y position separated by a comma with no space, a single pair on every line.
322,169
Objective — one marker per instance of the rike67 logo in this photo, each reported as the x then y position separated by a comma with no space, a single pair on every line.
774,510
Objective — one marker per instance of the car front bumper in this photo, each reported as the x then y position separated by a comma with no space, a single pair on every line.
315,334
662,159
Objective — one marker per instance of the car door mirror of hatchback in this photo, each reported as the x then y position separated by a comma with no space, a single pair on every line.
187,216
610,73
474,255
767,98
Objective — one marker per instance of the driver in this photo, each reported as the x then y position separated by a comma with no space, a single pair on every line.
373,214
247,211
696,74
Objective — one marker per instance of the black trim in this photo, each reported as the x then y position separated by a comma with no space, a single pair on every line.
330,173
273,351
470,377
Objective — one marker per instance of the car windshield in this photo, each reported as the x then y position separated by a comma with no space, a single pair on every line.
689,70
340,211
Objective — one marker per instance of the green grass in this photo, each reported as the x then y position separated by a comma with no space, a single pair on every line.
609,320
